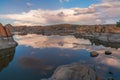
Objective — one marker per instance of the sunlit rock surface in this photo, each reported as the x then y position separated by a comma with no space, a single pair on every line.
6,39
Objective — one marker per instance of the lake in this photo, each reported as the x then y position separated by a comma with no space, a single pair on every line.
37,56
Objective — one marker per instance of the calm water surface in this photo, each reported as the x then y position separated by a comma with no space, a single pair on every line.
37,56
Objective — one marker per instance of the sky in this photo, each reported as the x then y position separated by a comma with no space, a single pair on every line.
50,12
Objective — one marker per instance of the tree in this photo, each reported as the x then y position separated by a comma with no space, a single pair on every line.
118,24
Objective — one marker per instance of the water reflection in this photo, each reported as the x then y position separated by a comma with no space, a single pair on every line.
37,56
44,61
35,63
62,42
55,41
6,56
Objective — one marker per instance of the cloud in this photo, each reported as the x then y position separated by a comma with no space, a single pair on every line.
108,10
63,1
29,4
110,0
45,17
105,12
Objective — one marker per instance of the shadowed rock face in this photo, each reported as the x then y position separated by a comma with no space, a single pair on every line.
6,56
8,33
10,27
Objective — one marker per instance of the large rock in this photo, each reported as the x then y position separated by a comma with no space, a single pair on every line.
108,52
6,39
10,27
74,71
94,54
2,31
8,33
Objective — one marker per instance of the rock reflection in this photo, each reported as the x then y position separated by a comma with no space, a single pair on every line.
6,56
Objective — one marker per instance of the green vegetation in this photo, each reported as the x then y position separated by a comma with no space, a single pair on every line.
118,24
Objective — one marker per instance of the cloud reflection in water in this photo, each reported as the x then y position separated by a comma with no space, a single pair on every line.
55,41
102,62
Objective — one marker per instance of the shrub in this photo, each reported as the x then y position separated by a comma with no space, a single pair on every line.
118,24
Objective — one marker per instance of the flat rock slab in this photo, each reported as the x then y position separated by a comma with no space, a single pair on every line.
75,71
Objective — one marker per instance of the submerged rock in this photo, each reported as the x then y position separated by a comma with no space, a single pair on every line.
94,54
108,52
75,71
110,78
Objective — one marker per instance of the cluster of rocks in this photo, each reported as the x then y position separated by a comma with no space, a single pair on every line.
68,28
100,33
6,37
80,71
95,53
91,29
4,31
105,33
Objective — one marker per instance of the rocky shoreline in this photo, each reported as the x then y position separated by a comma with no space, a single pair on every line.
105,33
6,37
101,37
74,71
